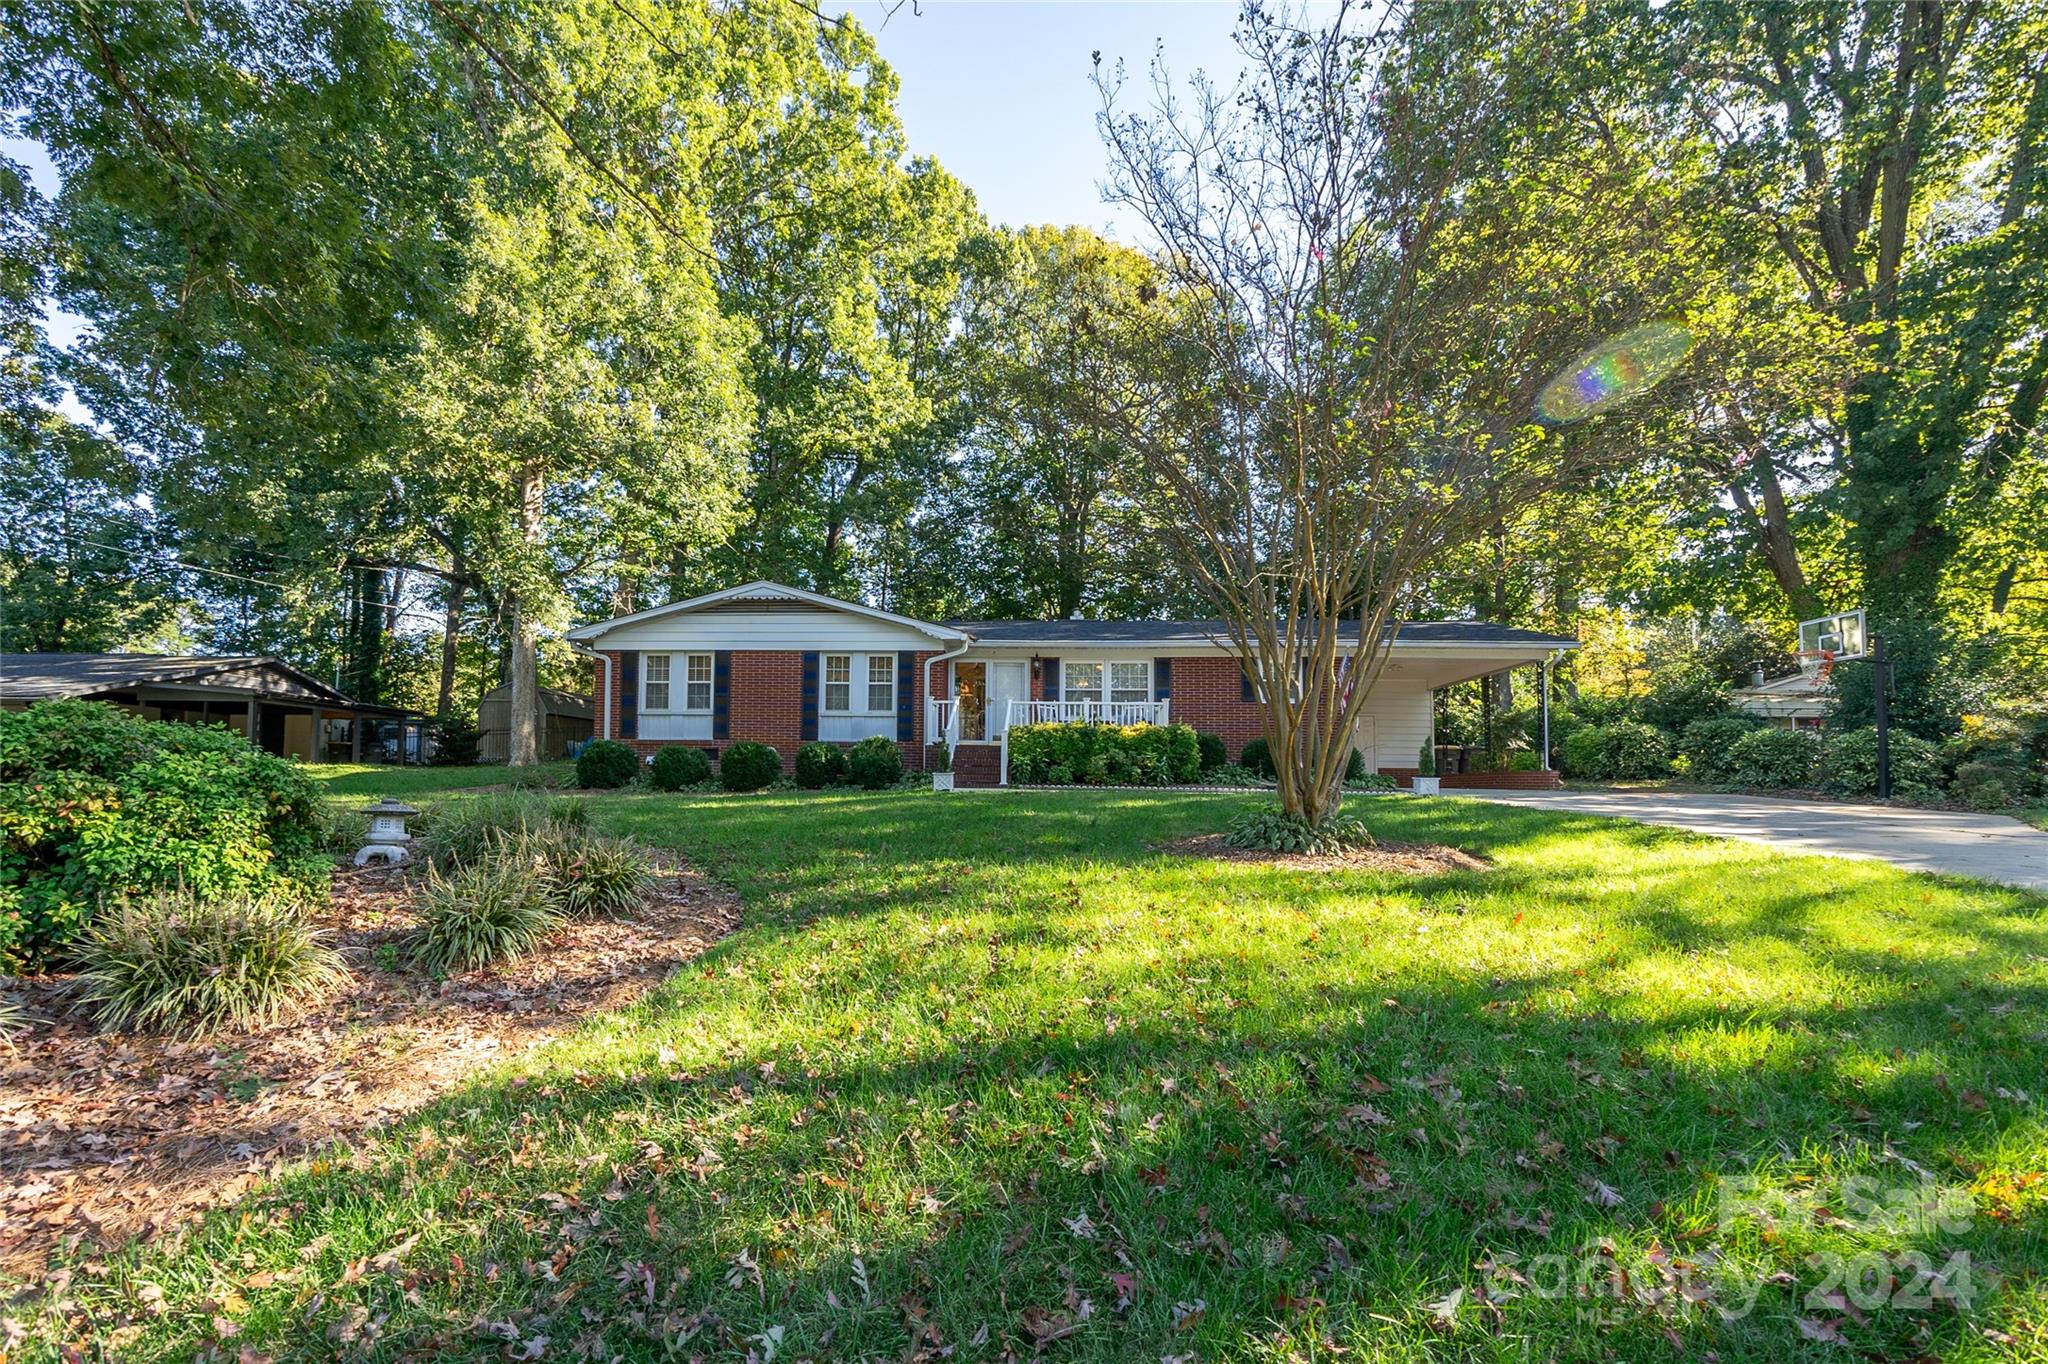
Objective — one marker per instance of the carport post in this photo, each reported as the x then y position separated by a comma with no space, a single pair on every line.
355,736
1548,659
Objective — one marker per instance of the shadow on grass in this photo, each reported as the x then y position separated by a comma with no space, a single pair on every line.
925,1109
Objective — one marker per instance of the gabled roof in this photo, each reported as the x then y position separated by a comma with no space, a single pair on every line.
49,677
765,591
1427,633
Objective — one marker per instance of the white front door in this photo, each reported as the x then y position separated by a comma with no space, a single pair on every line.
1007,682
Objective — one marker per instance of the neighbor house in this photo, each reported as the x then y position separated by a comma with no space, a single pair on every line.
784,666
276,706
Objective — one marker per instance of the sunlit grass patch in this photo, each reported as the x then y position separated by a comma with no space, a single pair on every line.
989,1073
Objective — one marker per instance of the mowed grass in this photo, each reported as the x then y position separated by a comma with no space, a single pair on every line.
985,1076
384,779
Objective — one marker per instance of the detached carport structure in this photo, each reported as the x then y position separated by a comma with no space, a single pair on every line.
279,708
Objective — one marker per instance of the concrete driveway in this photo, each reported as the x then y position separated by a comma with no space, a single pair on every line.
1988,847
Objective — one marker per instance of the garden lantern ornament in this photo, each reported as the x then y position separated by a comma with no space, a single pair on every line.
388,838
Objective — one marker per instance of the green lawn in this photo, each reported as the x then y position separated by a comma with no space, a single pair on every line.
985,1073
379,779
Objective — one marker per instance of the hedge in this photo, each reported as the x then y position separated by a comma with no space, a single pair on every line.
874,762
606,764
1104,755
1849,765
675,768
748,766
1773,757
819,765
97,804
1625,750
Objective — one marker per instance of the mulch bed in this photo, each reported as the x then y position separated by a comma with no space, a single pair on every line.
1411,859
108,1136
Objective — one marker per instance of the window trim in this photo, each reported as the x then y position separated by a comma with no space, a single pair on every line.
861,680
682,685
1106,693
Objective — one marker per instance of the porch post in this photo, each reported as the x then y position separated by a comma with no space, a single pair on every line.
1547,660
254,734
355,736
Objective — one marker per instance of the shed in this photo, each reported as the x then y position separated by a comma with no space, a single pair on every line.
1794,701
278,707
563,718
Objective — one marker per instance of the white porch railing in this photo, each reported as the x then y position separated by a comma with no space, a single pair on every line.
942,721
1099,712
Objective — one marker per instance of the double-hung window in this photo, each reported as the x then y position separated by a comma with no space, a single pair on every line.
1083,681
697,689
1130,681
881,684
658,679
839,682
1120,682
877,679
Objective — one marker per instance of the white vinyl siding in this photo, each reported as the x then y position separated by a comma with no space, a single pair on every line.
839,632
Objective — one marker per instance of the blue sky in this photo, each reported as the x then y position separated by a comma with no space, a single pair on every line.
999,92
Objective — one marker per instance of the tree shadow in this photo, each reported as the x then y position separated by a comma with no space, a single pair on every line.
1048,1126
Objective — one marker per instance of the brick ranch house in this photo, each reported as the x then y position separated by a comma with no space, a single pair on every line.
784,666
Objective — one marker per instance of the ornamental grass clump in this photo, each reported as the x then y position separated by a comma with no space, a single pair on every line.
495,908
1266,827
177,964
460,832
587,875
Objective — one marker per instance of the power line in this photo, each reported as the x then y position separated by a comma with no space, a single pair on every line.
397,608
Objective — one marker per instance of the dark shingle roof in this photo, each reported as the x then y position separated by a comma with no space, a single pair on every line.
44,677
1214,631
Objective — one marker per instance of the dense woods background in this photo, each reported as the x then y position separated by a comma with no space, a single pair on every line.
416,329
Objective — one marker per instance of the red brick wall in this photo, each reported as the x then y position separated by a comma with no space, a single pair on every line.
1208,693
766,704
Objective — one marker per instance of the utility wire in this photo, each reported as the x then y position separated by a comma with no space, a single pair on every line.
398,608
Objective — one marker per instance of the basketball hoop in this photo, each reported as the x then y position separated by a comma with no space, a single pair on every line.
1816,664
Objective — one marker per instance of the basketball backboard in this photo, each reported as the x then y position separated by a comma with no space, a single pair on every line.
1828,640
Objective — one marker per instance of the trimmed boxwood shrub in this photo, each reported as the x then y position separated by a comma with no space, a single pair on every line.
821,764
1214,754
748,766
874,763
1623,750
606,764
1105,755
1849,765
97,805
1773,757
676,768
1709,746
1257,757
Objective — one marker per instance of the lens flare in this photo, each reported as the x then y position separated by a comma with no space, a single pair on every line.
1616,370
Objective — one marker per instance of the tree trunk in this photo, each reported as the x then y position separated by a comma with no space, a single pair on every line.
523,636
451,634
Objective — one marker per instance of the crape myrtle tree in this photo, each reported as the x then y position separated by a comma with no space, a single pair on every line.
1383,252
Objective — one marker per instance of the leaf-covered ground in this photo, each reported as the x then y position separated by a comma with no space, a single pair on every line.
985,1075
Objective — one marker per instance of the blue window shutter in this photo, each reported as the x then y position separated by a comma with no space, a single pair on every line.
1162,679
810,730
629,694
906,699
1244,682
1050,678
721,694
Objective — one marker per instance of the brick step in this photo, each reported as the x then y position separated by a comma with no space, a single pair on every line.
977,765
